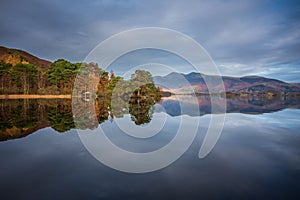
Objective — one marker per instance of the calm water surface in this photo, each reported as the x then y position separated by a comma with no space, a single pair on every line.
256,156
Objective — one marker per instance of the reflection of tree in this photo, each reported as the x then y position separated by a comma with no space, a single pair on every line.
119,107
20,114
136,96
83,113
61,118
18,117
102,109
143,97
22,117
141,110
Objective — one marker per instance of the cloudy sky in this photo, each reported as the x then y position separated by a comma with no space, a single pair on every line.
254,37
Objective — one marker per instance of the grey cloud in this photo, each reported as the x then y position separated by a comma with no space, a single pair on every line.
251,36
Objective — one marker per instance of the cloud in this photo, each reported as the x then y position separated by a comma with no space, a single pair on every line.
251,37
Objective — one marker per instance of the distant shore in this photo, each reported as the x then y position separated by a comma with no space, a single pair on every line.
34,96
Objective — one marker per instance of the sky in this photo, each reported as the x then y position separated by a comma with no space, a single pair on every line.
254,37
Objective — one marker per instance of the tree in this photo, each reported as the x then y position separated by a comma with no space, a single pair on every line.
5,78
142,76
141,110
62,73
113,82
87,79
24,76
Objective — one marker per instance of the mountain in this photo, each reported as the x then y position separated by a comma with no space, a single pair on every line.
14,56
195,82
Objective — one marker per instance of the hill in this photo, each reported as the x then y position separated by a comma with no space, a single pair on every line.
23,73
14,56
247,85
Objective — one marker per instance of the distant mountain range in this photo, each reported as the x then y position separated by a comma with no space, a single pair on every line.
255,85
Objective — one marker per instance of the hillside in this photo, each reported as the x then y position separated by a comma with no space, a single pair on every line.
14,56
23,73
254,85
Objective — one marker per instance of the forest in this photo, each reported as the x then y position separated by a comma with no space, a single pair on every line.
27,78
59,78
112,97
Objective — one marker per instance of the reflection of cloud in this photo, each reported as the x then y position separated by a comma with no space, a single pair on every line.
251,156
267,136
285,119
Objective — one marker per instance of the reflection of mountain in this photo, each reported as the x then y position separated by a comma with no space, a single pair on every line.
19,118
186,104
248,84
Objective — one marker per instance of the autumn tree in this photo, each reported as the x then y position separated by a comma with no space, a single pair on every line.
5,78
24,76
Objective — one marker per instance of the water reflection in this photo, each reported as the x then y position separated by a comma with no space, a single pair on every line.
249,105
19,118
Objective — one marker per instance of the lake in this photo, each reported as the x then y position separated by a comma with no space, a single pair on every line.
44,156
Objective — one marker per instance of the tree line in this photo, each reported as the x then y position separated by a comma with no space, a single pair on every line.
26,78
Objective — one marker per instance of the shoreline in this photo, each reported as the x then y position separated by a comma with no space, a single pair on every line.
35,96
